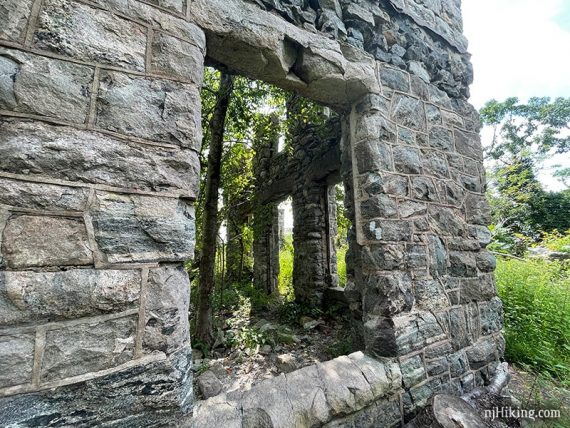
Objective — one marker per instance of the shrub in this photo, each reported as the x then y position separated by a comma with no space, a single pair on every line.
557,241
536,298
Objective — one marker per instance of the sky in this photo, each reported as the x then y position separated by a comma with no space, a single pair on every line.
520,48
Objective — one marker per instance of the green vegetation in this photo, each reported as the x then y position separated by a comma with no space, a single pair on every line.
536,299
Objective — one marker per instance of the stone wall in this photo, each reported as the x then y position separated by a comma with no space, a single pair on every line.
306,171
99,132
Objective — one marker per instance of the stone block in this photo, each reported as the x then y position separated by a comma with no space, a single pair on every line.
89,34
14,16
23,194
413,371
134,228
406,136
379,206
430,295
155,110
166,309
407,160
438,256
176,58
28,296
468,144
477,210
434,164
459,329
491,316
86,348
16,359
388,230
441,138
408,111
437,367
477,289
373,156
409,208
174,5
45,241
383,257
350,395
433,115
152,16
462,264
458,363
387,295
395,184
423,188
446,221
481,353
43,86
395,79
38,149
417,256
415,331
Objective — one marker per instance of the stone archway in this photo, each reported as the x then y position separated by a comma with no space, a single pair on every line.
99,130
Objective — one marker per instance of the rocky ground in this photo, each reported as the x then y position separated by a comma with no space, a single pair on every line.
248,351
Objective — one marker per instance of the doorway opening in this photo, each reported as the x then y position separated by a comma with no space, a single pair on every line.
276,298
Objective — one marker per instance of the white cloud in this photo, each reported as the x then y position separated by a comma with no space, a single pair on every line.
519,50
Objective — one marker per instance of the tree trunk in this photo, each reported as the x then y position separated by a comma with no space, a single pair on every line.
204,328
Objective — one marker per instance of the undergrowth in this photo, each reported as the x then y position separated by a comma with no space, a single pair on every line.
536,298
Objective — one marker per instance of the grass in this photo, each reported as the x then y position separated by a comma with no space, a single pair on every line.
536,298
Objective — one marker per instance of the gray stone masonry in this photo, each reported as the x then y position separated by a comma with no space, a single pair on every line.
99,169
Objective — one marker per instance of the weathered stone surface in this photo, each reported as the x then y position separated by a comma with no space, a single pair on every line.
176,58
430,295
413,371
26,296
415,331
383,257
65,153
394,79
323,69
164,111
387,295
16,359
37,196
208,384
45,241
407,160
382,413
409,112
373,156
491,316
150,393
86,348
152,16
481,353
175,5
43,86
14,16
143,228
85,33
166,309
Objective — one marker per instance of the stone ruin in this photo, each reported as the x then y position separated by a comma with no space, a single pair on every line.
99,137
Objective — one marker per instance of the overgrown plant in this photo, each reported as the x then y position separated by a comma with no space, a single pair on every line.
536,299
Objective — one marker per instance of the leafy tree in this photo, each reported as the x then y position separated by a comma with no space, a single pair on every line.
206,284
523,135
